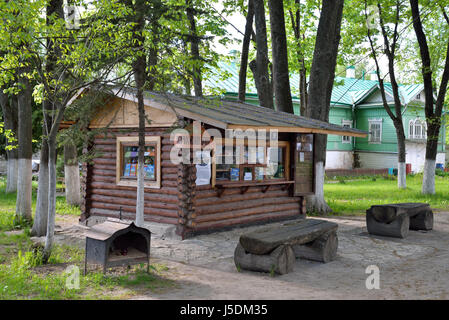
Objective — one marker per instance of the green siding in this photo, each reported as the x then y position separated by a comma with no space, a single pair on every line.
388,137
362,116
336,116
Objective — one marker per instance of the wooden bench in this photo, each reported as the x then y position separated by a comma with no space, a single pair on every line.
275,249
395,220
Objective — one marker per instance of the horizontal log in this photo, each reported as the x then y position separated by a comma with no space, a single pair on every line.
323,249
265,241
266,217
170,176
241,198
211,193
103,167
132,209
104,161
398,228
104,148
246,212
104,141
280,261
113,186
106,155
386,213
151,198
98,178
115,214
168,164
422,221
168,183
244,204
103,172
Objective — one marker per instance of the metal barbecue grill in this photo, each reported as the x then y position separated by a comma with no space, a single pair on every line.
112,244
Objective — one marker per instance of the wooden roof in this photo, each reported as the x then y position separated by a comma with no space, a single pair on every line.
235,115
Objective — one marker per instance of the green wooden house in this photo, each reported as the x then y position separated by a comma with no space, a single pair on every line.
355,103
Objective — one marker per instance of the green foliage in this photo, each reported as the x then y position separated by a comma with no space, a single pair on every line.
9,136
356,196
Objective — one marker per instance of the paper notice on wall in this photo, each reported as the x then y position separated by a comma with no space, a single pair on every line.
203,169
301,157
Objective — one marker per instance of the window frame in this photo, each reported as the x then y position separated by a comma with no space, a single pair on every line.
346,139
371,122
131,182
281,144
413,124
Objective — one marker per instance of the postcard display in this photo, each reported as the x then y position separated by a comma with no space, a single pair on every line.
131,155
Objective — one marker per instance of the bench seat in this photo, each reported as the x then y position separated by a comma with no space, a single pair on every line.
275,249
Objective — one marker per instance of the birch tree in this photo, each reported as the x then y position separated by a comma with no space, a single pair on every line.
391,13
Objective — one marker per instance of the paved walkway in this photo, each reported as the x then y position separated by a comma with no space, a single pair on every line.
412,268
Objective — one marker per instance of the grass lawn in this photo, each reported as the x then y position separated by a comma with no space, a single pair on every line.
23,276
355,196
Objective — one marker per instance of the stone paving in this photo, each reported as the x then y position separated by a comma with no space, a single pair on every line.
413,268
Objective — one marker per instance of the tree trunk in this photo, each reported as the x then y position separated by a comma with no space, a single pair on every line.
195,51
245,50
259,67
9,109
296,23
402,175
139,67
41,214
321,81
71,175
49,239
281,81
25,152
433,111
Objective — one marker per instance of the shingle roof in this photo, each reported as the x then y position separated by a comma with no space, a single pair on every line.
241,114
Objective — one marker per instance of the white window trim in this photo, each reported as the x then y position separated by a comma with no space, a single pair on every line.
349,122
423,126
373,121
133,183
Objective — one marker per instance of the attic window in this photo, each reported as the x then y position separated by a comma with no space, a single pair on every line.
127,161
418,96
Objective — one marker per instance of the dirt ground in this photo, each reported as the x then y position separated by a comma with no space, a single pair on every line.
203,268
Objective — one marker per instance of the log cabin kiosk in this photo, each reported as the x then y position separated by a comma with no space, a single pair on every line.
236,186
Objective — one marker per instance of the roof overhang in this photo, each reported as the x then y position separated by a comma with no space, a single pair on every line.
299,130
181,112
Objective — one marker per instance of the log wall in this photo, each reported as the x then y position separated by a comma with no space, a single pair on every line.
194,209
234,208
103,197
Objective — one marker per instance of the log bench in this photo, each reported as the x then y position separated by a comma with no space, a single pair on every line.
395,220
276,249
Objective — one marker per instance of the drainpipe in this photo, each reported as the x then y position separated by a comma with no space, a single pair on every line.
354,125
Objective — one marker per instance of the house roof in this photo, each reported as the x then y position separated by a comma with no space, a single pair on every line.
236,115
346,91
